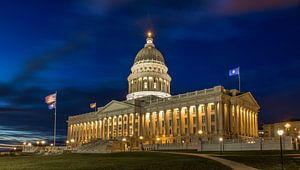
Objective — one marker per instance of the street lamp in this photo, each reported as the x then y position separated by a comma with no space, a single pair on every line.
141,138
43,142
261,135
51,144
200,132
29,144
221,144
280,133
37,142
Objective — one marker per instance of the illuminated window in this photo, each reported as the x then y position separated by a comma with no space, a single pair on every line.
212,107
213,118
203,119
202,109
154,85
145,85
212,128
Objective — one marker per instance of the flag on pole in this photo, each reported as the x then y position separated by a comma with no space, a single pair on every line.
50,98
52,106
235,71
93,105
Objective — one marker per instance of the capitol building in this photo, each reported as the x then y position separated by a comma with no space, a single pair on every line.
151,114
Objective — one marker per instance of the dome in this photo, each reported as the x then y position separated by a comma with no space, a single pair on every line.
149,53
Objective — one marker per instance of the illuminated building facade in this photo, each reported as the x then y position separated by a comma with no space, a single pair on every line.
150,112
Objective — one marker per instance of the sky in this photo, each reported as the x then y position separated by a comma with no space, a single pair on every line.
84,49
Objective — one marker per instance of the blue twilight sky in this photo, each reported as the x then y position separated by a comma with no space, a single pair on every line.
84,50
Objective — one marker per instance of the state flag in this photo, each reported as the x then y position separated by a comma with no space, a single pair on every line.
235,71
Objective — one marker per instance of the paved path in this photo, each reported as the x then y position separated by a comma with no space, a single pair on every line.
231,164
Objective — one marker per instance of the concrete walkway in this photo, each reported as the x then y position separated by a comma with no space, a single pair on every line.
228,163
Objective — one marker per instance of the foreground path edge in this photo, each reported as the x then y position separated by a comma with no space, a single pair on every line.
232,164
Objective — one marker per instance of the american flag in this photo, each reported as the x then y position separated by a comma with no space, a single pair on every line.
93,105
50,99
52,106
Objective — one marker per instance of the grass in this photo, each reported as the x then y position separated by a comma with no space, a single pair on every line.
134,160
267,160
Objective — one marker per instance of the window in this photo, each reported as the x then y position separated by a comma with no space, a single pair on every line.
194,120
194,130
203,119
202,109
163,123
178,122
194,110
203,128
212,107
185,120
213,128
170,132
213,118
154,85
145,85
170,122
185,130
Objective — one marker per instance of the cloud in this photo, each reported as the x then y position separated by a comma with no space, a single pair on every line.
233,7
41,62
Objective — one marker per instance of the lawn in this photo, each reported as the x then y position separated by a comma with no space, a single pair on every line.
134,160
265,159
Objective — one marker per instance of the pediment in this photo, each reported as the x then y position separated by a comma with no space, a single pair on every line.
115,105
249,98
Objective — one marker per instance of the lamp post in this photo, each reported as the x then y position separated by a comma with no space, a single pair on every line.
125,145
298,142
261,135
141,139
221,145
280,133
158,140
200,132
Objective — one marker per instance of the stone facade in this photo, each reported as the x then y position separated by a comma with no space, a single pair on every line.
290,127
152,115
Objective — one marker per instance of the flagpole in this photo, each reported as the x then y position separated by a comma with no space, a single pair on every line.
239,79
54,134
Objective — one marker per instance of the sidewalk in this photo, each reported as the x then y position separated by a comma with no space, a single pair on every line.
231,164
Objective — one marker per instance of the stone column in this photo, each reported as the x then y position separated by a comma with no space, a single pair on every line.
127,126
180,123
159,122
217,110
236,120
166,124
197,118
221,118
256,123
151,127
206,118
187,111
172,115
133,124
145,125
